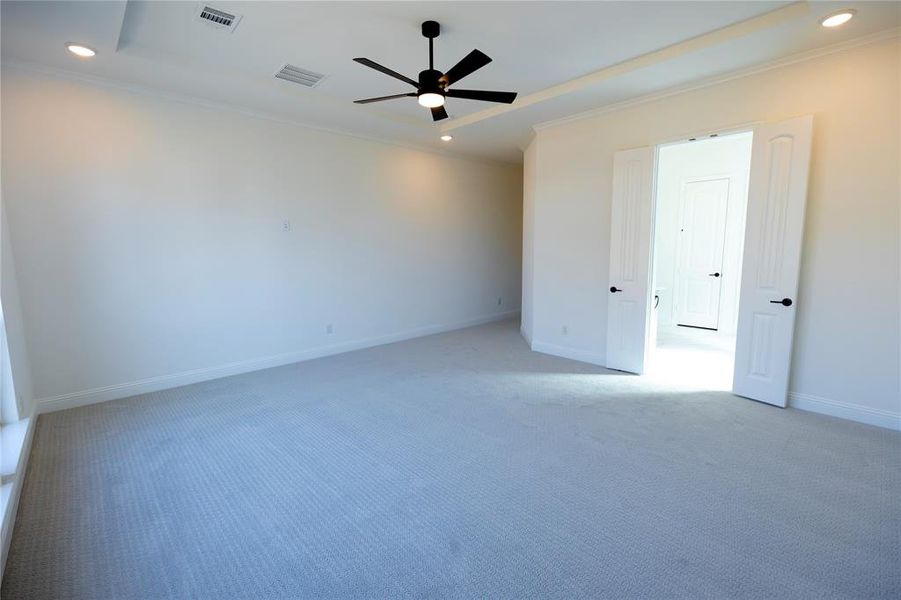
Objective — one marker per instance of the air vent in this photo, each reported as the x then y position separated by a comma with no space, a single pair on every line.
217,18
298,75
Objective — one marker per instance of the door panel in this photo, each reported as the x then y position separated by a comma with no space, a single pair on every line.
630,248
777,195
700,251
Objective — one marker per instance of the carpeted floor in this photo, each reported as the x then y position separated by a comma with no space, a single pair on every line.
460,465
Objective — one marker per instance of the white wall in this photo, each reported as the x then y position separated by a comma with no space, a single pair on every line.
846,354
150,251
728,156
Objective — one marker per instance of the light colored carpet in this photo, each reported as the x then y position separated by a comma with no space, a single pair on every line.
460,465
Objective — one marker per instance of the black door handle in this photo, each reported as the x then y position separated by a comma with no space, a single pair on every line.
614,289
783,302
713,274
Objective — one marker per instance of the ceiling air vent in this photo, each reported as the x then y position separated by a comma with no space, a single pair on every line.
217,18
298,75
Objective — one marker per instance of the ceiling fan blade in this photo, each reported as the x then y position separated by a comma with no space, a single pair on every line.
439,113
374,65
471,63
380,98
505,97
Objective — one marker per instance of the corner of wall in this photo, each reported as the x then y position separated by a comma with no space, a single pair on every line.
13,320
526,333
528,237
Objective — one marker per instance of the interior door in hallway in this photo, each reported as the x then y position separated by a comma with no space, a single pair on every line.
702,237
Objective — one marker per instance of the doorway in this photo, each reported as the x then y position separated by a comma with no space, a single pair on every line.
770,265
698,242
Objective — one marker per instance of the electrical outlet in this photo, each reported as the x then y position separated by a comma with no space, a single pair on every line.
286,226
329,329
565,330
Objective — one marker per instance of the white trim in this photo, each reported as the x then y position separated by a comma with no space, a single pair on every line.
532,134
159,94
805,402
572,353
846,410
720,132
163,382
9,514
524,332
875,38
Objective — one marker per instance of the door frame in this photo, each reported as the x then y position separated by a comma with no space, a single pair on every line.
651,333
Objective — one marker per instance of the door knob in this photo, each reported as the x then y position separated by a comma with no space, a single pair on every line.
783,302
614,289
713,274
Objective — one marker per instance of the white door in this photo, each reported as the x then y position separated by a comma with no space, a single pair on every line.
630,248
699,257
777,193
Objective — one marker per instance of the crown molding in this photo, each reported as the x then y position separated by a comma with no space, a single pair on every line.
529,139
893,33
156,93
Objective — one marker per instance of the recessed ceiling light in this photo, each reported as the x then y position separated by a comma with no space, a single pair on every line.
446,138
839,18
80,51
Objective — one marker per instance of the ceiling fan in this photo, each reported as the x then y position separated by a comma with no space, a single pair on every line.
432,87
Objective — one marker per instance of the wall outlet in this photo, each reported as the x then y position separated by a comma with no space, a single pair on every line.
329,329
565,330
286,226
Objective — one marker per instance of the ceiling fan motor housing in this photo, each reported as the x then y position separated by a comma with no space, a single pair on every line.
430,82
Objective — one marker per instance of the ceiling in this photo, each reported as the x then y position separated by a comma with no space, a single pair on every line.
562,57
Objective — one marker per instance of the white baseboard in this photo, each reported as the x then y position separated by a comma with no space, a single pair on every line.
571,353
525,335
808,402
9,512
846,410
162,382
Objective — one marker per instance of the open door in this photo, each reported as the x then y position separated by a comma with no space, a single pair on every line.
630,248
777,194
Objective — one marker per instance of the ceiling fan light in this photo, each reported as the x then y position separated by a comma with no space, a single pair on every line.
431,100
